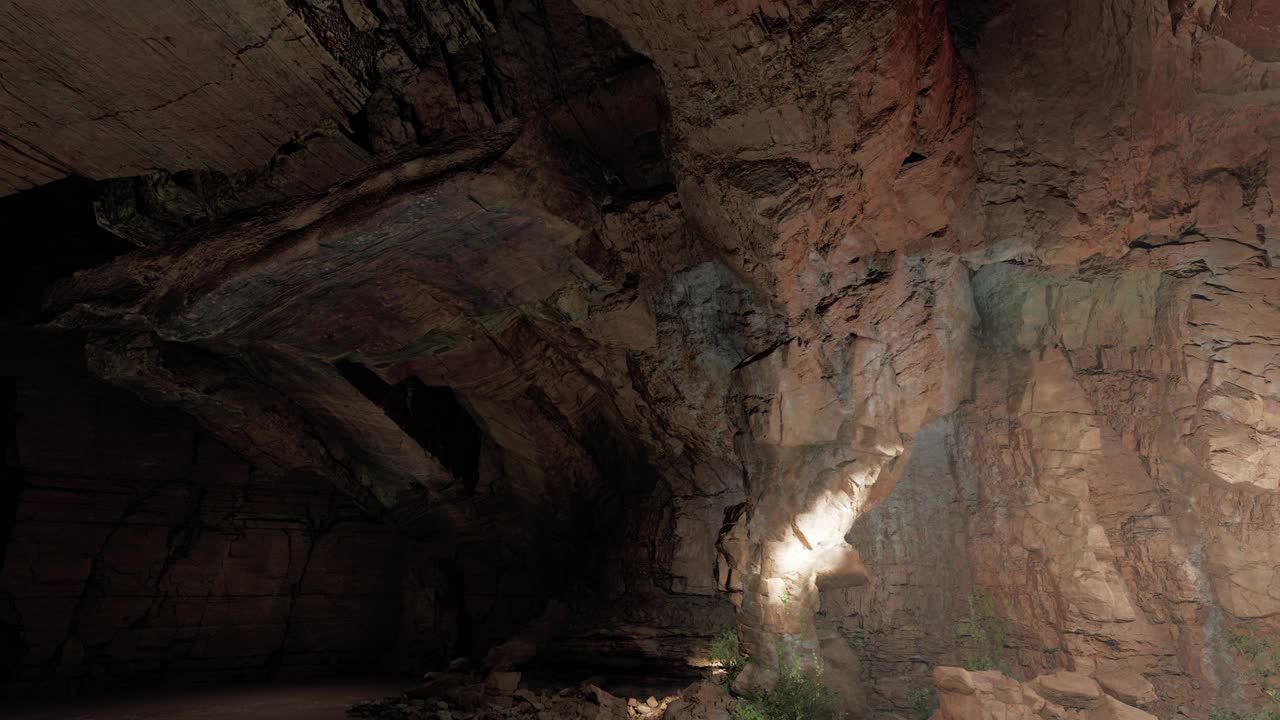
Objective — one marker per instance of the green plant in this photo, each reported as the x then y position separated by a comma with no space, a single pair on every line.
800,695
726,653
987,629
1263,657
923,702
748,710
1218,714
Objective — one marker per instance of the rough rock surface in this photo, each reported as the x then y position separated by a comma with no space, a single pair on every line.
140,549
963,695
815,313
699,701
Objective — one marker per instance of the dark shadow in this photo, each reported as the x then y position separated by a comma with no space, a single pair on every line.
50,232
10,471
430,414
968,19
12,647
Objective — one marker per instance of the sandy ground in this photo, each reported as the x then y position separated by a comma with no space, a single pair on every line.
310,701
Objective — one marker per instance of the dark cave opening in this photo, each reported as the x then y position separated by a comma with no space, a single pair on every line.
430,414
12,646
913,158
457,595
211,569
141,550
491,590
10,468
60,235
968,19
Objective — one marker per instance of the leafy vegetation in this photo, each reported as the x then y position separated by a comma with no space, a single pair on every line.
923,702
1262,654
986,630
726,653
800,695
1235,715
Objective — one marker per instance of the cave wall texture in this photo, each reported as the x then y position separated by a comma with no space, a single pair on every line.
805,315
140,550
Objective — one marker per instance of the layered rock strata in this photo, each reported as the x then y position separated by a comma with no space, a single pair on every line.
828,312
139,549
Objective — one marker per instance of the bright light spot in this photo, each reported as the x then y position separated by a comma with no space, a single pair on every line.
823,525
791,558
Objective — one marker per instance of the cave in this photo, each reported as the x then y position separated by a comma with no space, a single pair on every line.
620,359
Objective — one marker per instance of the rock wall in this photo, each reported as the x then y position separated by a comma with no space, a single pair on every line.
138,549
1055,696
827,312
1098,483
1110,475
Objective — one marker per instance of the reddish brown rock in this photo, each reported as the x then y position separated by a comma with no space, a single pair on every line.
1071,690
1127,687
139,543
826,312
1061,696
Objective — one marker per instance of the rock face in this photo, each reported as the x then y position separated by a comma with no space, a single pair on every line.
812,314
140,547
1061,696
699,701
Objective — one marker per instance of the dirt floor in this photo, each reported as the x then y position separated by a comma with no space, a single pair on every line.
313,701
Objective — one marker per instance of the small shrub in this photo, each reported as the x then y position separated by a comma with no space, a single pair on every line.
1217,714
923,702
1263,656
987,629
726,653
800,695
747,710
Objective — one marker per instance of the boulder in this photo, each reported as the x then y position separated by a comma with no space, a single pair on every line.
964,695
1128,687
1070,690
953,680
1113,709
700,701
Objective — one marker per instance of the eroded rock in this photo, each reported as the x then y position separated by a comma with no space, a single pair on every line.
816,314
963,695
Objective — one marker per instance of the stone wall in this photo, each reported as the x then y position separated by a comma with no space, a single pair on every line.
1110,482
836,310
142,550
